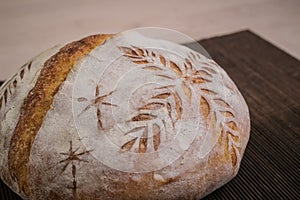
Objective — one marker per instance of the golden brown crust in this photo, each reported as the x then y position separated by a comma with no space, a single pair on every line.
38,102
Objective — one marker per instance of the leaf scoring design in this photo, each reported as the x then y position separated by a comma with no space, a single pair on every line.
156,136
152,106
1,100
204,107
143,117
151,60
128,145
12,84
162,96
212,106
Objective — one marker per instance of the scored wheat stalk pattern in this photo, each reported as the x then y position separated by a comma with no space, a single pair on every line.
212,105
10,86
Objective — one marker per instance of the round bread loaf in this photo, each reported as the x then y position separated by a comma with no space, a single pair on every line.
120,117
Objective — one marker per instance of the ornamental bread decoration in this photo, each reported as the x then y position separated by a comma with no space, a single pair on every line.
121,116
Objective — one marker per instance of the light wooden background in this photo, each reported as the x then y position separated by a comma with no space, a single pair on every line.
31,26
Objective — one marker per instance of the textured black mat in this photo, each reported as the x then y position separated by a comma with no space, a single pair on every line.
269,79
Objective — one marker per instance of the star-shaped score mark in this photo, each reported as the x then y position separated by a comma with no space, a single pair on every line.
96,102
73,156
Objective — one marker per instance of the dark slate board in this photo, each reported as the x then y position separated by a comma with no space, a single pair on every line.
269,80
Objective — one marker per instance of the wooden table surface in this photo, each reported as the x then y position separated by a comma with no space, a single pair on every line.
269,80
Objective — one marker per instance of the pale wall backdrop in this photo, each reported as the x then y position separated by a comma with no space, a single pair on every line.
31,26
